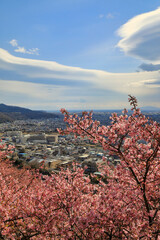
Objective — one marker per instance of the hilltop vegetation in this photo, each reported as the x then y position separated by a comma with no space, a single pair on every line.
4,117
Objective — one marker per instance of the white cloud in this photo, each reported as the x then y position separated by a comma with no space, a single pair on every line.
50,97
33,51
14,42
101,15
30,51
141,36
20,49
32,90
109,16
43,96
125,83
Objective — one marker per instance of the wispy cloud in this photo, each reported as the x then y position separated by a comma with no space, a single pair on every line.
14,42
20,49
101,15
30,51
134,83
51,84
108,16
141,36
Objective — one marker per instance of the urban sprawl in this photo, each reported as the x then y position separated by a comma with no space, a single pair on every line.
37,141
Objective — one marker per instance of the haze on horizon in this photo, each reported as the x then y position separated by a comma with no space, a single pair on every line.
82,54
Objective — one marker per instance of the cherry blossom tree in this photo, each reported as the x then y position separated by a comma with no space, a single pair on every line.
134,185
66,205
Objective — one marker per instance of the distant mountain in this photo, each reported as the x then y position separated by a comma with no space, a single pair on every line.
150,108
11,113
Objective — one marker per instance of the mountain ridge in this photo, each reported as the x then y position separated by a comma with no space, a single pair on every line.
10,113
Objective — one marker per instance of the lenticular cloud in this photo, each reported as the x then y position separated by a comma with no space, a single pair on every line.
141,36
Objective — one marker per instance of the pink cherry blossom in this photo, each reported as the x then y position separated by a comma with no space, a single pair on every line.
67,205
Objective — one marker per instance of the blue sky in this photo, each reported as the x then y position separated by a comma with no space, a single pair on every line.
79,54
